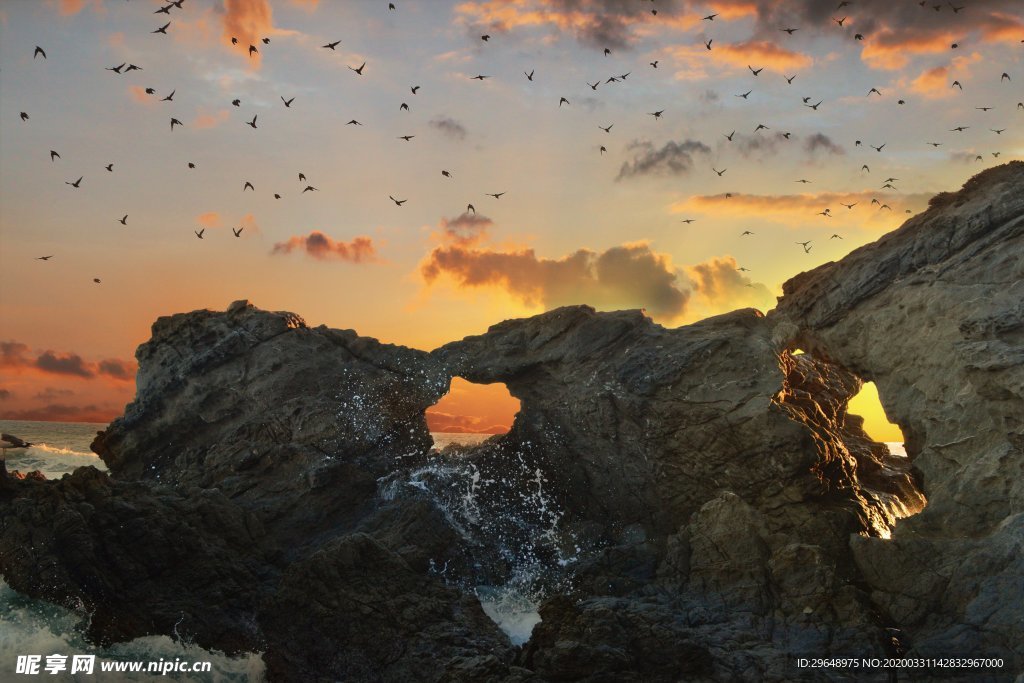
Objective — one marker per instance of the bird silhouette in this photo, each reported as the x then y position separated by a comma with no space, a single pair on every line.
625,75
806,245
746,94
687,220
745,233
1004,77
562,101
529,76
199,233
76,183
391,7
710,17
331,46
478,77
593,86
729,136
234,41
720,173
39,51
485,38
836,237
116,69
132,67
654,63
248,186
302,177
191,165
879,148
656,114
790,31
875,91
495,195
754,71
814,106
359,70
956,84
266,41
446,174
865,168
54,155
236,102
253,122
708,43
470,207
253,50
24,116
287,103
398,202
238,233
850,206
109,167
123,220
407,138
164,10
162,29
789,79
353,122
803,180
150,91
839,21
958,129
997,132
984,108
743,270
169,98
403,107
96,280
603,149
44,258
416,87
309,188
761,126
175,122
607,52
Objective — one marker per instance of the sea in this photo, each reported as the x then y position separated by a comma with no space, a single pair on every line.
35,627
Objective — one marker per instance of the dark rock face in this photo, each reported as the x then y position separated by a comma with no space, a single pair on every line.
690,504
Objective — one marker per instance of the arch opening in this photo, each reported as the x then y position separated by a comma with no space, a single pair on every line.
868,406
470,413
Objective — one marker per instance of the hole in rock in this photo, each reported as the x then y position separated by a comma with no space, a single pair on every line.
867,405
470,413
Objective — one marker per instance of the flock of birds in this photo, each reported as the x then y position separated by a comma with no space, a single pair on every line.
840,21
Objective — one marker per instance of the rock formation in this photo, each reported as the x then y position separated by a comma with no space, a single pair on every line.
688,504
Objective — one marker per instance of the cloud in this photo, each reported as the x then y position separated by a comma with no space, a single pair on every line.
323,248
465,230
719,284
51,393
6,395
69,8
937,82
118,369
63,364
819,142
761,54
756,145
627,276
965,157
207,120
16,355
249,21
138,93
438,421
13,354
449,127
59,412
210,219
308,5
672,159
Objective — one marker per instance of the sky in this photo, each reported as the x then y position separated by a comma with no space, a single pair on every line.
386,243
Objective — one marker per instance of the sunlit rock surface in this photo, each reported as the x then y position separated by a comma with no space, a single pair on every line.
679,504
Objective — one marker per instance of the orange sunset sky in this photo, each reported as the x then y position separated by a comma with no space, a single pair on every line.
862,101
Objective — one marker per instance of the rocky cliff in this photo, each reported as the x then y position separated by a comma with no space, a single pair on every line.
686,504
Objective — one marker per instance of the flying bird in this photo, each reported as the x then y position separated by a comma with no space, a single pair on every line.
687,220
54,155
331,46
790,31
603,149
248,186
956,84
353,122
359,70
407,138
806,245
836,237
253,122
607,52
478,77
529,76
755,71
839,21
238,233
132,67
123,220
850,206
720,173
789,79
656,114
309,188
446,174
814,106
96,280
175,122
729,136
654,63
24,116
708,44
761,126
997,132
403,107
288,103
398,202
191,165
984,108
958,129
150,91
252,49
109,167
302,177
169,98
496,195
593,86
162,29
236,102
608,129
1004,77
199,233
416,87
115,69
470,207
710,17
879,149
746,94
875,91
745,233
562,101
76,183
39,51
44,258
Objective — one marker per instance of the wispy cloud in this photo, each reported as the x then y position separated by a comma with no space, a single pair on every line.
324,248
671,159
